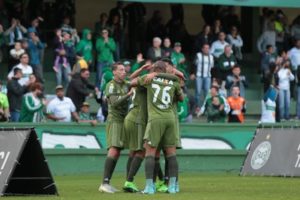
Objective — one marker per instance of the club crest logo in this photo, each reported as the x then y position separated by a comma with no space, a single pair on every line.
261,155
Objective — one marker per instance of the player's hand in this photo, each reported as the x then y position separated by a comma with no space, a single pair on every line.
131,91
145,66
150,77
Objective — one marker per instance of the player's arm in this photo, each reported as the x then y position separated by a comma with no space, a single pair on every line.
179,93
137,72
118,99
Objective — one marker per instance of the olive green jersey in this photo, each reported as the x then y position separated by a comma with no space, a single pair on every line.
138,107
160,94
118,100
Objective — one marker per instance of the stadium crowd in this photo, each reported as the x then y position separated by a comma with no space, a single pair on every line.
214,63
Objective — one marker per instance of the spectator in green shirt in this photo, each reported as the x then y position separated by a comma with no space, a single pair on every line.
84,114
105,47
178,58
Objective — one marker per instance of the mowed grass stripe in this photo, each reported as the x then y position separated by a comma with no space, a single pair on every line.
194,186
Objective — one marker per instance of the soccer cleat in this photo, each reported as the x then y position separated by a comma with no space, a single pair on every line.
150,187
172,185
130,187
163,188
158,184
107,188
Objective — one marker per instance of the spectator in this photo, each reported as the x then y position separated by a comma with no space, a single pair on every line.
69,47
236,42
66,27
267,61
236,79
78,88
217,29
15,93
35,47
204,63
15,55
267,38
155,52
178,59
294,55
80,64
268,105
280,24
237,106
205,37
167,47
183,110
2,43
285,76
217,47
16,32
4,106
85,46
62,63
32,105
214,106
61,108
100,25
85,116
26,69
105,47
225,64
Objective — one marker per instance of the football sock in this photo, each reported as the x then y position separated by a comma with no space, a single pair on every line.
166,170
135,165
158,171
149,167
130,158
109,167
173,166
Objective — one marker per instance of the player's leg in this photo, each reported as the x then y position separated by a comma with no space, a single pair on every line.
160,183
170,142
152,139
114,133
135,145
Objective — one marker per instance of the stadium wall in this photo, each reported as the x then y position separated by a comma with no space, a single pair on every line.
197,154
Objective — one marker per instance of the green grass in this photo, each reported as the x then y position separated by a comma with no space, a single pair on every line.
194,186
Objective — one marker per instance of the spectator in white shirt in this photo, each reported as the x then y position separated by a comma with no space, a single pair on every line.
217,47
61,108
236,42
284,77
26,69
204,63
294,55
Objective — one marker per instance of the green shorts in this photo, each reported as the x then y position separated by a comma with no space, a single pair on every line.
134,135
115,134
161,131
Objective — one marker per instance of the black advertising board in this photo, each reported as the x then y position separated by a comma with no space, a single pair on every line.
274,152
23,167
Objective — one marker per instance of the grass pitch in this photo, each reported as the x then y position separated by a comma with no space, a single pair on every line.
193,186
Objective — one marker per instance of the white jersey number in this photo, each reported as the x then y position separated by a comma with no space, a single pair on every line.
166,98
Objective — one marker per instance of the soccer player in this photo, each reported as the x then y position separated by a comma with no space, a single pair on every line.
134,127
117,94
161,125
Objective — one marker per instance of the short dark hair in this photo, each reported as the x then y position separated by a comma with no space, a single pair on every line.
167,60
36,86
236,66
17,70
83,71
159,66
269,46
115,66
215,87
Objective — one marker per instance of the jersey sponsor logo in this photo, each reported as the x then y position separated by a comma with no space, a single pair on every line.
261,155
164,81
